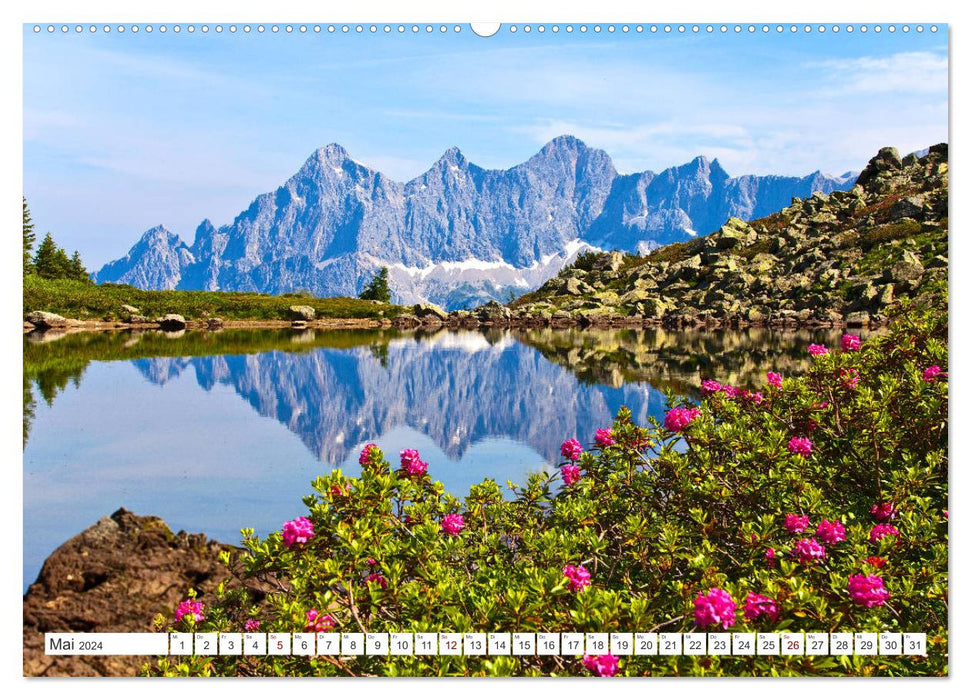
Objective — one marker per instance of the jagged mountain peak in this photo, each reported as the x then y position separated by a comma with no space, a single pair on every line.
452,157
158,234
332,152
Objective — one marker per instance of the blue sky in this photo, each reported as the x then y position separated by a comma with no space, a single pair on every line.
123,132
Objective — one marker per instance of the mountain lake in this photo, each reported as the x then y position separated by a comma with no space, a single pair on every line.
214,431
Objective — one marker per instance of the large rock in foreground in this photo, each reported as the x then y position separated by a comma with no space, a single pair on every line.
115,577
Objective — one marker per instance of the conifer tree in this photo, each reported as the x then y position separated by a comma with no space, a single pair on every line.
77,269
29,238
46,263
378,288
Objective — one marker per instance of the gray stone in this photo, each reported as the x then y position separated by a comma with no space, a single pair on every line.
45,319
424,311
302,313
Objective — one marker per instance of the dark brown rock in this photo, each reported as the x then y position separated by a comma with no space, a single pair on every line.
115,577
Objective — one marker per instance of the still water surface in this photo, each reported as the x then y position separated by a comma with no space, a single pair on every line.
218,431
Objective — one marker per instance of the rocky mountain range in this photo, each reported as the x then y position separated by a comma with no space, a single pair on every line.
457,235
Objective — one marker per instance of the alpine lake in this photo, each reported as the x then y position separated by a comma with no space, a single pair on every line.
215,431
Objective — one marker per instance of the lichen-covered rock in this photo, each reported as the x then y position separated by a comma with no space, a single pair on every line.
301,312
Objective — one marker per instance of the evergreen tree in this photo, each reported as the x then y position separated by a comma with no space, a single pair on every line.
378,289
46,263
78,271
29,239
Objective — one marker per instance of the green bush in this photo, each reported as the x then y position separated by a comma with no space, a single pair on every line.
712,498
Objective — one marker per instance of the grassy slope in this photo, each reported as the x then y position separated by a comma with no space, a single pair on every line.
97,301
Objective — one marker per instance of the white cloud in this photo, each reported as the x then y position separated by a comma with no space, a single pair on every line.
917,71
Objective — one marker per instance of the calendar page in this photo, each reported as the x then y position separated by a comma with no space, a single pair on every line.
429,348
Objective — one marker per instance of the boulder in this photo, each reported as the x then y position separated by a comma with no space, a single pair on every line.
45,319
114,577
611,262
302,313
214,322
424,311
886,160
171,322
858,319
651,308
134,318
493,311
904,272
130,310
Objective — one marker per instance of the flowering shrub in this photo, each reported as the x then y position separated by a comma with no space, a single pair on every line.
667,532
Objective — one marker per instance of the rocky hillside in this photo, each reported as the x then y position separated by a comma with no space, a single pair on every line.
830,259
457,235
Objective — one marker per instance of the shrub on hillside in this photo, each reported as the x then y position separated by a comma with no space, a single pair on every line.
812,503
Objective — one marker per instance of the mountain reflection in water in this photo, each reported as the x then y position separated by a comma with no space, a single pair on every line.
153,421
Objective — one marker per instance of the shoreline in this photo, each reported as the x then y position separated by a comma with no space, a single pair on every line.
467,321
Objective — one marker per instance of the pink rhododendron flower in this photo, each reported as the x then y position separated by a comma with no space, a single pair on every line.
570,474
809,551
770,556
365,457
715,608
252,625
370,561
774,378
412,463
877,562
757,605
604,437
801,446
297,531
604,665
932,373
796,523
754,397
867,590
849,343
453,524
710,386
729,391
831,532
378,579
817,350
578,575
571,449
850,378
189,608
337,490
881,530
677,419
318,623
882,512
